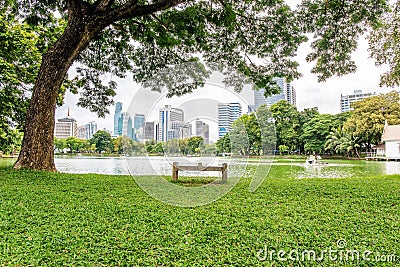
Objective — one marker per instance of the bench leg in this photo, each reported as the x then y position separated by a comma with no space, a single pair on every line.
224,173
174,172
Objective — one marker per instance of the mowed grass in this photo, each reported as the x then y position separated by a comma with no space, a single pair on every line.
51,219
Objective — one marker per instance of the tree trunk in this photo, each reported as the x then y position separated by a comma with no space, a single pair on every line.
85,21
37,151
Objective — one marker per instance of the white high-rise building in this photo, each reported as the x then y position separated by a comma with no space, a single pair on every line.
347,100
66,127
127,129
227,114
170,124
91,129
290,94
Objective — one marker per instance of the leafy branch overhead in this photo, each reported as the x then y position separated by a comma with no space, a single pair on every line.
249,41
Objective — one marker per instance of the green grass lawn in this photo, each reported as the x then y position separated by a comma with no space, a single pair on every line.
51,219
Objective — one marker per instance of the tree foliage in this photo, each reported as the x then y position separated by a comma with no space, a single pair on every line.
316,131
287,124
103,142
223,144
368,118
384,45
19,63
337,26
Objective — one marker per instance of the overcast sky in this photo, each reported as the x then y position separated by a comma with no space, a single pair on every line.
310,93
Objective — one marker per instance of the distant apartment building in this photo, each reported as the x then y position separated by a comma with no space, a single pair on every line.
347,100
203,130
117,119
287,92
82,132
227,114
171,123
66,127
290,94
151,131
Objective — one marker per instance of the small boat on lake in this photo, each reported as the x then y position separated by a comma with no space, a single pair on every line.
314,161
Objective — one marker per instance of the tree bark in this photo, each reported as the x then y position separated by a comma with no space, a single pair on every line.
37,151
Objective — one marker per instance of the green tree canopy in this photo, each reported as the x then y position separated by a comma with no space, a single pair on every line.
316,131
223,144
103,142
75,144
287,124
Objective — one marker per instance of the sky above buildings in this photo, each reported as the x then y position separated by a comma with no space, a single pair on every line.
202,103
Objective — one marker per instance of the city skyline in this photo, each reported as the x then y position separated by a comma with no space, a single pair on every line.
134,132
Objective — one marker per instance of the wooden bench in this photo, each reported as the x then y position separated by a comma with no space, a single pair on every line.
176,168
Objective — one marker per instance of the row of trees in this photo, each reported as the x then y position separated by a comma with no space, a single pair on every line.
102,142
283,127
190,146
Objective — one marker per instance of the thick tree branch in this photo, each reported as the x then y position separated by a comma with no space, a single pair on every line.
131,9
102,5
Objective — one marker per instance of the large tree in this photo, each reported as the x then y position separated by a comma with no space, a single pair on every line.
146,38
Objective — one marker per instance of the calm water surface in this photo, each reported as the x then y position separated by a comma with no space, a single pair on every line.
163,166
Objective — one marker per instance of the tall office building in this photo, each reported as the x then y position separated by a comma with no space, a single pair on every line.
138,127
227,114
203,130
171,123
66,127
90,129
127,129
151,131
347,100
287,92
117,119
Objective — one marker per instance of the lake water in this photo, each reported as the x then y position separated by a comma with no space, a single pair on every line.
163,166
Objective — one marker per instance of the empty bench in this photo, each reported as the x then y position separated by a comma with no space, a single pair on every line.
176,168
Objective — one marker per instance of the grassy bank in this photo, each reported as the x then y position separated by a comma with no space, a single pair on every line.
94,220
